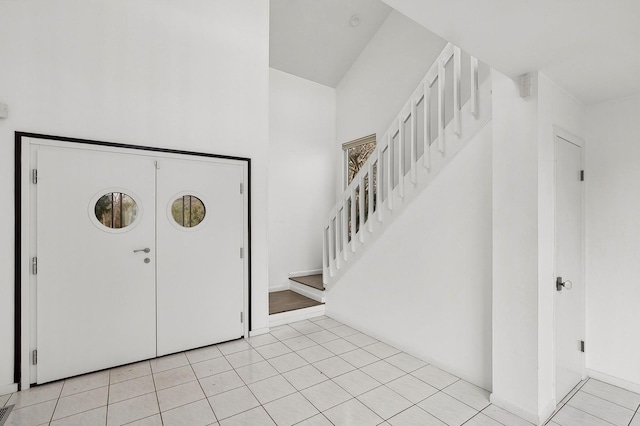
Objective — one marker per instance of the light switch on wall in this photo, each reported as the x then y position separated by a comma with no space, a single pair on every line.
4,110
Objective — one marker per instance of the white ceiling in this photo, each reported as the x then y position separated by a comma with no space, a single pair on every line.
313,40
591,48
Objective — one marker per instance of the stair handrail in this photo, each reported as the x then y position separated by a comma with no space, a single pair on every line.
379,170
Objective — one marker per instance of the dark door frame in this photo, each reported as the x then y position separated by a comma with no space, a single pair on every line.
18,223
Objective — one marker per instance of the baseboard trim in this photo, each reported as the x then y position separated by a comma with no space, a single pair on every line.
8,389
281,287
258,332
516,409
613,380
548,411
364,328
297,315
305,273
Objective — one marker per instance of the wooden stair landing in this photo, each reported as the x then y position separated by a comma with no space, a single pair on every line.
314,281
287,300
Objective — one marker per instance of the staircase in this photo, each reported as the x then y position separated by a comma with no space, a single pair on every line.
310,286
449,107
303,300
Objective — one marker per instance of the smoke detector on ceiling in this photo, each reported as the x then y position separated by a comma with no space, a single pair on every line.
354,21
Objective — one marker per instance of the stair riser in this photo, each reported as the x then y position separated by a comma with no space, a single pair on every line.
307,291
296,315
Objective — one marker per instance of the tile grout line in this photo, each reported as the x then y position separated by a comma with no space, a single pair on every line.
481,412
291,384
576,408
201,388
605,399
299,391
355,369
106,413
577,390
406,374
57,400
557,410
302,334
634,415
156,393
459,400
245,384
153,377
360,369
310,364
148,417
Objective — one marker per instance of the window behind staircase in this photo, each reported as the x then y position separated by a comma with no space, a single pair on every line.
356,154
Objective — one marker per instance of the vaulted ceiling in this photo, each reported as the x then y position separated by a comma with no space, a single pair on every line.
320,39
588,47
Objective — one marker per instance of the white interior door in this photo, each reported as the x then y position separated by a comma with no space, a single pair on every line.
200,269
95,296
569,299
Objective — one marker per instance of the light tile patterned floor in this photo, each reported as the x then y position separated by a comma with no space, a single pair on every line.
314,373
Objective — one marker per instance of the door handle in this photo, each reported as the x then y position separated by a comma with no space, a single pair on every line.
146,250
560,284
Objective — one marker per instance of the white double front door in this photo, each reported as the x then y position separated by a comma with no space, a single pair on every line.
137,256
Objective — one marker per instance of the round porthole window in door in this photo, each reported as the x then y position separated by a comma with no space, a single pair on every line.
188,211
116,210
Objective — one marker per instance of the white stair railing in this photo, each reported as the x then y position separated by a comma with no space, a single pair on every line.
419,129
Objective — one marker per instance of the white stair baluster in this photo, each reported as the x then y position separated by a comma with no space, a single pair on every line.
361,207
400,161
370,195
456,90
379,184
427,124
325,256
441,82
332,252
377,177
345,226
389,175
474,86
353,217
414,142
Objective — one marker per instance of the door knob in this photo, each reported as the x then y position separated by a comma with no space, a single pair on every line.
146,250
560,284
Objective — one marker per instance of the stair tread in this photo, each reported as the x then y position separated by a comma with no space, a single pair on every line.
287,300
314,281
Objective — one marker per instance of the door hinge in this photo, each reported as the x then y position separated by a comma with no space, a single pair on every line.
34,266
241,188
34,176
241,317
241,253
581,345
34,357
581,175
155,163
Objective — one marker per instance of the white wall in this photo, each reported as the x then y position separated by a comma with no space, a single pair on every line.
515,262
424,286
380,81
302,172
185,74
524,240
612,174
556,109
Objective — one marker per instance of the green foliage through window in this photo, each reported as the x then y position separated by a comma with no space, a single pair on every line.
116,210
188,211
